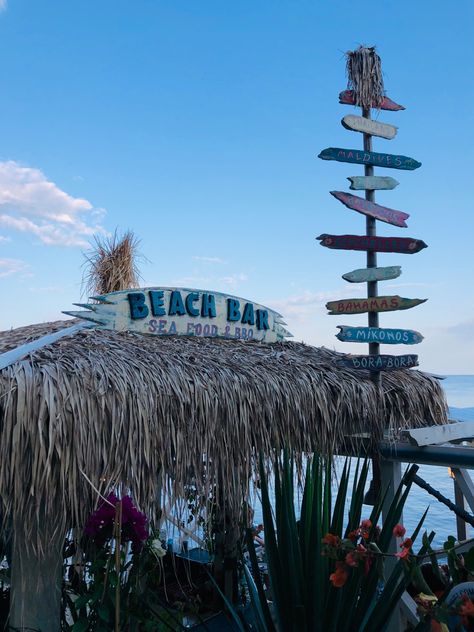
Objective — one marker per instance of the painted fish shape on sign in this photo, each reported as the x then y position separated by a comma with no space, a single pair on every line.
346,97
376,159
379,363
372,183
366,275
369,126
373,304
404,245
377,334
361,205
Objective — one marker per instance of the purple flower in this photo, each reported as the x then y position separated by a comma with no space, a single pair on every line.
100,525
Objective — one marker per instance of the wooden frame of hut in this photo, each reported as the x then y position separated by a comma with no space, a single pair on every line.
98,408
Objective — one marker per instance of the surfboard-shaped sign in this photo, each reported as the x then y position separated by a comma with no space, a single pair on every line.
168,311
376,159
373,304
346,97
379,362
405,245
369,126
366,275
377,334
372,183
361,205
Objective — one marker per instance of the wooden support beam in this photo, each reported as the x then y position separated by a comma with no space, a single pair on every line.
436,435
466,485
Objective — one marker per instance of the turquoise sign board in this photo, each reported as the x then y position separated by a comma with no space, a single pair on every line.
377,334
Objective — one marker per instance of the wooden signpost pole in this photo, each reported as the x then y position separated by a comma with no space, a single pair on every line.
371,231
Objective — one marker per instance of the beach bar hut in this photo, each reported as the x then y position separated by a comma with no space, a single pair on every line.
85,407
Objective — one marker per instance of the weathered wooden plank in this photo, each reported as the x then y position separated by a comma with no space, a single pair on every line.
372,183
364,275
376,159
377,334
369,126
380,362
405,245
165,311
436,435
346,97
390,303
361,205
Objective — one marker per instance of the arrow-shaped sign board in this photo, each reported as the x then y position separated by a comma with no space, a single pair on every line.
377,334
361,205
369,126
405,245
360,157
346,97
379,362
372,183
366,275
372,304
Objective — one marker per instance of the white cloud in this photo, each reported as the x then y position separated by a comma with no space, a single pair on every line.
209,259
233,280
3,5
301,306
31,203
4,239
9,267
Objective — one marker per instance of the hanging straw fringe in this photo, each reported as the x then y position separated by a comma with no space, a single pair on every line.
364,77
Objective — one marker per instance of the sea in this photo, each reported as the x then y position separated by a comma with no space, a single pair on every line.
460,396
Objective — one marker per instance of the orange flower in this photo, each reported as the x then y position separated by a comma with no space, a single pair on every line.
352,559
340,575
366,524
399,531
405,546
353,535
331,540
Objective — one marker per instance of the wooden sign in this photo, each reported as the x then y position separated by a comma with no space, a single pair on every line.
346,97
366,275
377,334
379,362
372,183
361,157
361,205
184,312
373,304
405,245
369,126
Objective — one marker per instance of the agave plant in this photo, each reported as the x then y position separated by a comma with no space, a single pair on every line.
306,595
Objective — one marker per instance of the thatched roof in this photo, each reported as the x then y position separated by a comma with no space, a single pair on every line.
110,407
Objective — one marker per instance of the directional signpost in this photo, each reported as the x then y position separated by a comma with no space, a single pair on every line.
365,275
405,245
372,183
369,158
361,205
347,97
367,126
377,334
372,304
365,77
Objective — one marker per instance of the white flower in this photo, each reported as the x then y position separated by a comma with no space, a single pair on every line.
157,548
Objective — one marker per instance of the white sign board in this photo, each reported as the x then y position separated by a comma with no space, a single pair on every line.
163,311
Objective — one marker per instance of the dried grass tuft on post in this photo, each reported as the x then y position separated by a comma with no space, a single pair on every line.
364,76
111,264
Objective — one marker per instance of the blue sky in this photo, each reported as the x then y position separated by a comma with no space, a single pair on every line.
197,124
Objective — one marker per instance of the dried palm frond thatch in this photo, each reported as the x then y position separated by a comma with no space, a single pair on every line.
111,264
103,407
364,76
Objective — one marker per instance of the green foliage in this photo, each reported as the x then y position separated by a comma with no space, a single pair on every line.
300,564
